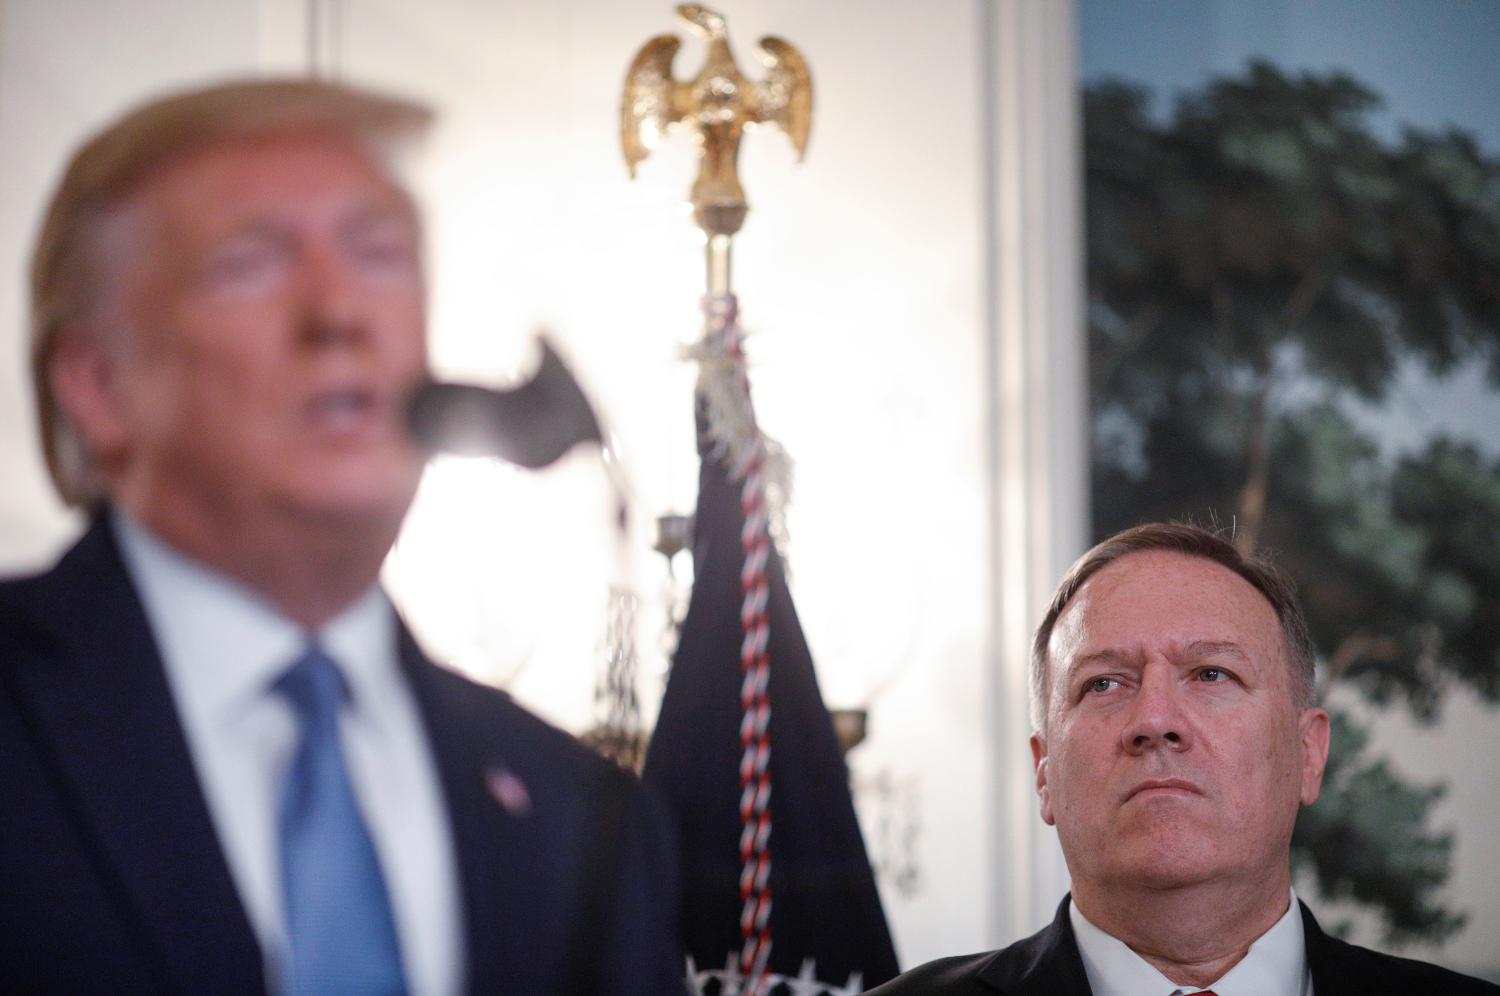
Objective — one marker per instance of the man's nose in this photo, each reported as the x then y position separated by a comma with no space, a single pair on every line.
1157,719
333,300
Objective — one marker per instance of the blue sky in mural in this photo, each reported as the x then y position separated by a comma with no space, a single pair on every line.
1434,62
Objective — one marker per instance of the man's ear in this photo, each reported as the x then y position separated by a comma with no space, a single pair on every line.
84,379
1039,761
1312,729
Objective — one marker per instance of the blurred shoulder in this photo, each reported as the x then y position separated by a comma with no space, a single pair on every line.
958,975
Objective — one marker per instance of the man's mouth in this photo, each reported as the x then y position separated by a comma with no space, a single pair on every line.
347,410
1162,787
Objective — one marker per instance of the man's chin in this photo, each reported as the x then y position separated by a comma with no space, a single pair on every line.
1170,860
356,500
1161,878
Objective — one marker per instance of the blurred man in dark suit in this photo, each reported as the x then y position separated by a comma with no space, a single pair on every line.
225,766
1176,738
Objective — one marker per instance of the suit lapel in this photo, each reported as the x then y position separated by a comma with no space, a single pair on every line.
1045,964
509,875
1332,971
99,705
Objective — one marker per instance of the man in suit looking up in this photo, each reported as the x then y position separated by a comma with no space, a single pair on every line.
1176,736
226,766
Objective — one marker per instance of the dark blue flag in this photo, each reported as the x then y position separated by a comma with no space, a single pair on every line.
779,895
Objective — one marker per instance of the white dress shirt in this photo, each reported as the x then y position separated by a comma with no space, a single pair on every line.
223,647
1275,965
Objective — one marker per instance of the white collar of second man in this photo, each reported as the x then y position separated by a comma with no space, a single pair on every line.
1276,964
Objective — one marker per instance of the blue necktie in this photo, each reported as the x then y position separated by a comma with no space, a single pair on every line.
339,923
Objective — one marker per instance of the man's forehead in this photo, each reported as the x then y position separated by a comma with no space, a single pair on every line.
1170,600
271,167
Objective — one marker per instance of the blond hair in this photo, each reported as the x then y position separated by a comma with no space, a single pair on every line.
66,263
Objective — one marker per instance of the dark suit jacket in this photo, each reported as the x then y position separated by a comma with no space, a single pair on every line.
112,878
1048,964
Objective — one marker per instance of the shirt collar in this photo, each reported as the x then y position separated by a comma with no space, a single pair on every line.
1275,964
224,645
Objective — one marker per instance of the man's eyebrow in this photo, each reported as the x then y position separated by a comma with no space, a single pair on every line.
251,228
375,209
256,232
1216,648
1196,650
1104,658
370,215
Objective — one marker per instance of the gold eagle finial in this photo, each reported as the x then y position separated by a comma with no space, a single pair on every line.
716,105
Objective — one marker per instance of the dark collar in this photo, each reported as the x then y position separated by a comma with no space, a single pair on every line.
1045,964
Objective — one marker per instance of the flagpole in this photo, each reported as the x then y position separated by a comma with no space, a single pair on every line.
717,251
738,464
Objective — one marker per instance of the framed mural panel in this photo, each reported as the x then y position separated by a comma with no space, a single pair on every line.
1293,264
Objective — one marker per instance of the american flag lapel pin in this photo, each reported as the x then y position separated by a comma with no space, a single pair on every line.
507,789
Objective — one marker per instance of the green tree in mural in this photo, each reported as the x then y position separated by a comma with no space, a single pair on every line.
1260,265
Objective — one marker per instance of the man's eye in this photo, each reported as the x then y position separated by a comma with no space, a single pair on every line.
382,244
244,267
387,249
1100,685
1212,674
